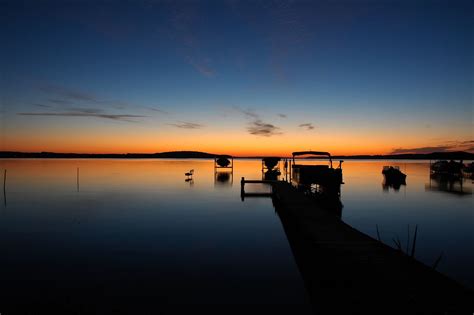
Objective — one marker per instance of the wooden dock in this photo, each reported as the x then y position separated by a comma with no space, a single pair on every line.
348,272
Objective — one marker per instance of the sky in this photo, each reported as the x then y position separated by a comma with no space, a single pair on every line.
237,77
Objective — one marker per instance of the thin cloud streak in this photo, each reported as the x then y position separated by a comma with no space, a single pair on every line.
42,105
449,146
420,150
154,109
248,113
68,93
187,125
59,102
307,126
125,117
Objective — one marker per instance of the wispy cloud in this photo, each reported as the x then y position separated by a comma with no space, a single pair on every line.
282,115
187,125
42,105
257,126
59,102
464,145
248,113
183,23
67,93
85,112
307,126
260,128
420,150
202,66
154,109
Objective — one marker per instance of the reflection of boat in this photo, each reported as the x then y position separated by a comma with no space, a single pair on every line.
451,168
393,177
449,184
323,178
223,178
271,174
270,168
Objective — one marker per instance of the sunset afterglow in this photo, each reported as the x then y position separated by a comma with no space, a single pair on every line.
158,76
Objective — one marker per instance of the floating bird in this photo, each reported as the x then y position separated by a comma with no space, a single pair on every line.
189,174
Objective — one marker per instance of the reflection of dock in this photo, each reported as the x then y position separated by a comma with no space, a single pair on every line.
244,194
347,272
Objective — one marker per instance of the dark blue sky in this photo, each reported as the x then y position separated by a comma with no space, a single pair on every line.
389,75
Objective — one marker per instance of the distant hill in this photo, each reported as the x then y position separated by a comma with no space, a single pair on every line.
204,155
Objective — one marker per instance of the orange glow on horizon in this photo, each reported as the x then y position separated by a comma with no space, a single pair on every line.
232,142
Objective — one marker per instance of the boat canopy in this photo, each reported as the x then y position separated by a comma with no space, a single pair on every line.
315,153
312,153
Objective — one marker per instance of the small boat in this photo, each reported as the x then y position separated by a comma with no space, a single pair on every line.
270,162
223,161
326,178
393,174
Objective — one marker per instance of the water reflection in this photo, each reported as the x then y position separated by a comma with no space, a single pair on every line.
449,184
223,178
136,226
388,184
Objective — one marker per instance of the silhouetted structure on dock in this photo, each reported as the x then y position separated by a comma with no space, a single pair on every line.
320,179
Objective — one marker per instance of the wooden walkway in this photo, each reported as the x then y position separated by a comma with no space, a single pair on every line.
348,272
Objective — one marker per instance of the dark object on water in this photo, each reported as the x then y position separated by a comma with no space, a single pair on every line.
223,161
393,174
451,168
272,174
271,162
223,177
325,177
189,174
468,170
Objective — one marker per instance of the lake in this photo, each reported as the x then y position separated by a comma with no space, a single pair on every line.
119,234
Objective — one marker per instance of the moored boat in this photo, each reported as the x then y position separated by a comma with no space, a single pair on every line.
325,177
393,174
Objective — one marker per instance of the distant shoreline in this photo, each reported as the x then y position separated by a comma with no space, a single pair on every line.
203,155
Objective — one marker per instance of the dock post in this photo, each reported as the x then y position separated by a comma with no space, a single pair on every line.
4,187
242,188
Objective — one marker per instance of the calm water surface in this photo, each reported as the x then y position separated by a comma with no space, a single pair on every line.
138,224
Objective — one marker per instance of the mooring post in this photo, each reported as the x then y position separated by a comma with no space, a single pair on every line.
242,188
4,188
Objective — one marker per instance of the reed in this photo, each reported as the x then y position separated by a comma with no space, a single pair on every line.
437,261
413,247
